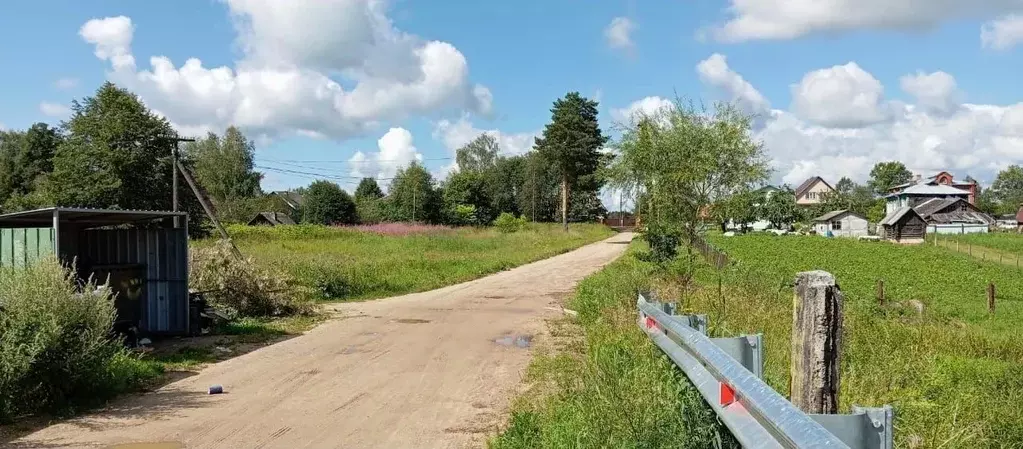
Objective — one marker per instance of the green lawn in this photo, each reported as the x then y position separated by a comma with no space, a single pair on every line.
347,264
954,375
1007,242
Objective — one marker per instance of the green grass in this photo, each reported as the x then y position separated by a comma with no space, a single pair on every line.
954,374
346,264
599,382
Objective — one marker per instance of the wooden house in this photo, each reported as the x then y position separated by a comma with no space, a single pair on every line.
841,223
953,216
904,225
271,219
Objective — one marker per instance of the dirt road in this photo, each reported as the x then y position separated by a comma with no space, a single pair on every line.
427,370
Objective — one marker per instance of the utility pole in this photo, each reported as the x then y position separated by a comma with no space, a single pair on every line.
174,171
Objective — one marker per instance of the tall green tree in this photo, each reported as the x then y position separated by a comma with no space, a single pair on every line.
368,188
886,175
412,196
539,195
327,203
116,154
780,208
1008,189
225,167
24,158
571,142
478,155
687,159
845,185
505,182
468,188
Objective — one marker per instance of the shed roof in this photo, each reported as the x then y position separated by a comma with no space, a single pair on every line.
929,189
91,218
897,215
837,213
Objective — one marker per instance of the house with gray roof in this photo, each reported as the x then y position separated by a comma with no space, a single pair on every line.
841,223
903,225
812,191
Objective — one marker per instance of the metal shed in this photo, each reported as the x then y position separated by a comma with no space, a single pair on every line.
841,223
146,264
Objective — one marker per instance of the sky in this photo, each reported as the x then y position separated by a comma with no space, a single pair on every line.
343,89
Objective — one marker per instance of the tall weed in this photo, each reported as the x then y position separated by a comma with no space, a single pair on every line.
56,347
243,287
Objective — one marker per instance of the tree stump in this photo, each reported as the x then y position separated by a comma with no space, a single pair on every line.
816,342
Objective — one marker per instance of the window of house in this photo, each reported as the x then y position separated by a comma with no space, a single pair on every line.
836,225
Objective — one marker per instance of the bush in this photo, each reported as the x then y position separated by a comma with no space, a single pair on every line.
463,215
506,222
56,348
370,210
327,203
664,241
242,287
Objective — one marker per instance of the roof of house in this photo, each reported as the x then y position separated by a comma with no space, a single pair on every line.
936,210
897,215
835,214
275,218
767,188
809,183
294,199
928,189
83,217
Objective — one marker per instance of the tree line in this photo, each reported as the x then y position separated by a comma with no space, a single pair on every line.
113,152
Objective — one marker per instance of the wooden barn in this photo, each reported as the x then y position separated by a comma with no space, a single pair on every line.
904,225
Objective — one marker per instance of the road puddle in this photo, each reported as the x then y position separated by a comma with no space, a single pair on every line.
518,341
411,321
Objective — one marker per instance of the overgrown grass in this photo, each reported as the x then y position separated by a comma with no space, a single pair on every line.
348,264
1009,242
953,374
602,383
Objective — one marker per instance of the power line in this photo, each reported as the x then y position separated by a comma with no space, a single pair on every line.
337,161
320,175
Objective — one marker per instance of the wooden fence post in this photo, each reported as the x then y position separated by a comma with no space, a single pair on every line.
991,297
880,292
816,342
957,245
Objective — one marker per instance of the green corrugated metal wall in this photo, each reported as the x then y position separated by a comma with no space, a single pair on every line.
20,247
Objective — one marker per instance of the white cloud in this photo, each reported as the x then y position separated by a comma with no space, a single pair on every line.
618,33
788,19
286,81
456,134
843,96
1003,33
396,151
112,38
66,83
644,107
715,72
936,91
936,133
54,109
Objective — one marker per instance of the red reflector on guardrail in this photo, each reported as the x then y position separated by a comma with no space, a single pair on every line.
727,394
650,323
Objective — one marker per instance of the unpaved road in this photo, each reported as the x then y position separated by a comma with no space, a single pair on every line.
426,370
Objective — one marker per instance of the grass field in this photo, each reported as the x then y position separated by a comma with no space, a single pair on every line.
351,264
598,381
1006,243
954,374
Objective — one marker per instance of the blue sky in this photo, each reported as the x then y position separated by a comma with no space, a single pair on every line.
362,86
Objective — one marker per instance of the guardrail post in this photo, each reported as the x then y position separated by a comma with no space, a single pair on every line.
816,342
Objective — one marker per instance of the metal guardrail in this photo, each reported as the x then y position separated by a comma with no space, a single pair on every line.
728,373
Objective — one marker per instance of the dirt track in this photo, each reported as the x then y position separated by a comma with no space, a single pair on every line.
426,370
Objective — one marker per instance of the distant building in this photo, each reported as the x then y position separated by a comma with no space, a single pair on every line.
953,216
812,191
918,194
271,219
1019,218
1008,221
841,223
904,225
289,199
943,179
